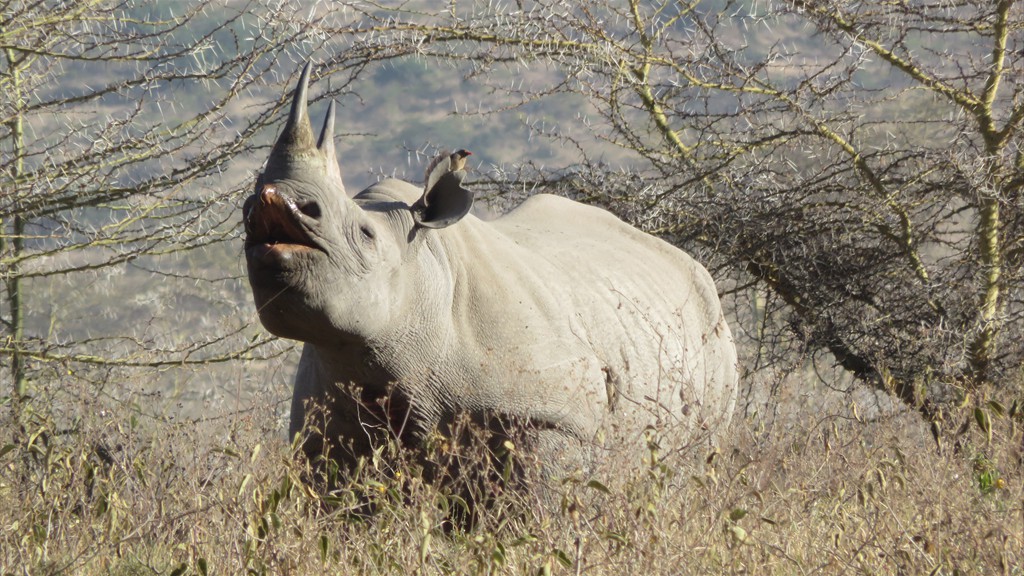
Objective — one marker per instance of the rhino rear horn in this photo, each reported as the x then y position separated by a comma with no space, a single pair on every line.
325,144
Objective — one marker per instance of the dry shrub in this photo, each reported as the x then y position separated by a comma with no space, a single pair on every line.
92,482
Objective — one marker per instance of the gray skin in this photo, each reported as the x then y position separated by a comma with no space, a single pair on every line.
557,320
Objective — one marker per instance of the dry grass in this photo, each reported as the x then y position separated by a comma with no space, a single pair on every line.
89,485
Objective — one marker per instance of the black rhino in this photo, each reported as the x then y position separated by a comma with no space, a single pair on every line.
556,320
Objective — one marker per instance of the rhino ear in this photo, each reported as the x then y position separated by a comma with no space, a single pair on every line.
444,203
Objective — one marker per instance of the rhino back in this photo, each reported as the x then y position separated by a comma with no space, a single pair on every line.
590,319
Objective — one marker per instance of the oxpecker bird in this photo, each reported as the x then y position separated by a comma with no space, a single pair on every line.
457,160
444,163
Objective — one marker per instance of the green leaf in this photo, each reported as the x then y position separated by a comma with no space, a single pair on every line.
35,436
245,481
737,514
984,422
562,557
498,555
616,537
256,452
425,549
997,408
596,485
738,534
986,482
227,451
525,539
325,548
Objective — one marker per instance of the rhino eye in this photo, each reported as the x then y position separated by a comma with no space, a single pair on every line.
311,209
367,232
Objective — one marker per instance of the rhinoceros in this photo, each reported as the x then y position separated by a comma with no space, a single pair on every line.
556,320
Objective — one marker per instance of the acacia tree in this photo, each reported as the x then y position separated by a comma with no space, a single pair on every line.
860,161
116,128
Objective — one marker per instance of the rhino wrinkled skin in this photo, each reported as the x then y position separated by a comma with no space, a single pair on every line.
556,319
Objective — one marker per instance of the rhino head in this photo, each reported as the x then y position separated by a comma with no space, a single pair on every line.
322,267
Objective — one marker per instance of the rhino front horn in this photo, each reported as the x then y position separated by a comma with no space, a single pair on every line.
296,140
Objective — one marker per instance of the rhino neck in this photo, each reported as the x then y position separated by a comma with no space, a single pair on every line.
416,344
413,343
347,363
419,337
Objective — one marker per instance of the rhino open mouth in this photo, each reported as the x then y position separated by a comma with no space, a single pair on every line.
275,226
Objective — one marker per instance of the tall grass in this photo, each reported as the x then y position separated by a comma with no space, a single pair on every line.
91,483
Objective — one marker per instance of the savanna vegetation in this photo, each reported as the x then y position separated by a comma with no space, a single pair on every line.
851,172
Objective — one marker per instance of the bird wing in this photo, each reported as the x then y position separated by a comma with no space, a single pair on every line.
438,167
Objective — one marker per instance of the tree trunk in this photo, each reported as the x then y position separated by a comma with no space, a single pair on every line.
14,286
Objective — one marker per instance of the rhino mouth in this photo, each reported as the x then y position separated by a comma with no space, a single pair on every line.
276,227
